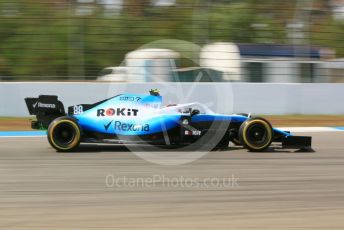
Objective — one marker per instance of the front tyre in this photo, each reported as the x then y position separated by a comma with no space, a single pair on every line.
256,134
64,134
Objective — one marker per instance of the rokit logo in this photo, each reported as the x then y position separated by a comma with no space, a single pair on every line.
121,126
117,112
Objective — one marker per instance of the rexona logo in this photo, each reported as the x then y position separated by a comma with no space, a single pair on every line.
117,112
48,106
121,126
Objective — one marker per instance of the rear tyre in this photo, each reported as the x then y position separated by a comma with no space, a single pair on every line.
256,134
64,134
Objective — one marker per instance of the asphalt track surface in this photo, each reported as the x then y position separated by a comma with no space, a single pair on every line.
280,189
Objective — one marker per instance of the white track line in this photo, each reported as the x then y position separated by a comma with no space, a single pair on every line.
309,129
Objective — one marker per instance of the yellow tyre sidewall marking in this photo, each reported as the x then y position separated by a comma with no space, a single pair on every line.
267,126
76,138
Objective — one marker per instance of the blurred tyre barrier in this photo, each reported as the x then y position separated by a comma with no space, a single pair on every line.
256,98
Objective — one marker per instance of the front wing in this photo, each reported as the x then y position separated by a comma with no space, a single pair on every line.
292,142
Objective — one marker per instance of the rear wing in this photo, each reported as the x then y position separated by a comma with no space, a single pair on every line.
46,108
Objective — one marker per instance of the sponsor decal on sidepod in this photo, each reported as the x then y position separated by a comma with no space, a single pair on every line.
121,126
117,112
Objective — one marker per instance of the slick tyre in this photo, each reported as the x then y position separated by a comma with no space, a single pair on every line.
256,134
64,134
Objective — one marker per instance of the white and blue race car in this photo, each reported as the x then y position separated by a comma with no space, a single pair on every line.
138,119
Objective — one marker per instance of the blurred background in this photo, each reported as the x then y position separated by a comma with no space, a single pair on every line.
238,41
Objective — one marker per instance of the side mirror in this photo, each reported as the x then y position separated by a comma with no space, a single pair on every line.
194,112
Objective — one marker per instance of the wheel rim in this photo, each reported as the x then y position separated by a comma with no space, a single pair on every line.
257,135
64,134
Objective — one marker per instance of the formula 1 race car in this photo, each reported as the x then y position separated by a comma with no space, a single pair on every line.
138,119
